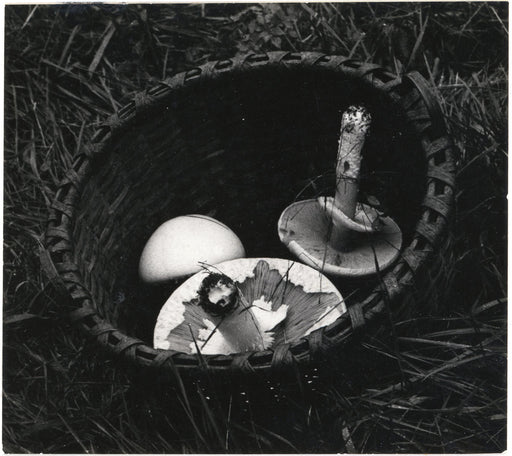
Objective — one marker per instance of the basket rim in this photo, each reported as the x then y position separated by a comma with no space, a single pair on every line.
422,112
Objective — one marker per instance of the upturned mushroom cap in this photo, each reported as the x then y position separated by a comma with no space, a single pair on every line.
304,227
278,301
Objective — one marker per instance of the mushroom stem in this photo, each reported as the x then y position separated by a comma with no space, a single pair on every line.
355,124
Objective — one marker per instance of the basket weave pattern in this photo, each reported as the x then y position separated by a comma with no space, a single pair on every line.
107,192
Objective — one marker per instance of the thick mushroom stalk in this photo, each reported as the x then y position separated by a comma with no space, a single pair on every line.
355,124
337,235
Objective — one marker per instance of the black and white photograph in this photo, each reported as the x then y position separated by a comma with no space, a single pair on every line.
255,227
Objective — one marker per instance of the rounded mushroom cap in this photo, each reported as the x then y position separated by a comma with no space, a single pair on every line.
280,301
181,245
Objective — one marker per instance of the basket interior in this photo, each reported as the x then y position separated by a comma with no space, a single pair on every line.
240,148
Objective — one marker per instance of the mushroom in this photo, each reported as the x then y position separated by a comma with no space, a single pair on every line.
246,304
181,245
340,236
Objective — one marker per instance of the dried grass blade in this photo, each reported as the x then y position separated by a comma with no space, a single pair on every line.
499,19
27,20
456,362
109,32
489,305
458,332
418,42
68,44
228,424
73,433
211,418
21,318
347,439
190,416
434,342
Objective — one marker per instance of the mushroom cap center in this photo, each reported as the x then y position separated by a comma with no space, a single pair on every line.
221,294
218,294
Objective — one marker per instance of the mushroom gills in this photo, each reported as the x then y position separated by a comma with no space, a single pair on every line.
263,302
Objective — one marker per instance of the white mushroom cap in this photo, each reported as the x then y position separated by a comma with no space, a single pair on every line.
180,246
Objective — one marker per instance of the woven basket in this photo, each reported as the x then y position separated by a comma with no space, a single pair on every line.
240,140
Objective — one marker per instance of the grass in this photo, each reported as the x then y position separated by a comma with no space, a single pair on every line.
436,383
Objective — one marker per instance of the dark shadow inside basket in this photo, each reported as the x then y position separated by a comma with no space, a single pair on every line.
240,148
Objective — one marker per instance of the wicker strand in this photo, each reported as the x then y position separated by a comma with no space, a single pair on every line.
317,344
442,175
163,358
241,363
282,357
356,316
438,127
437,204
438,145
391,286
